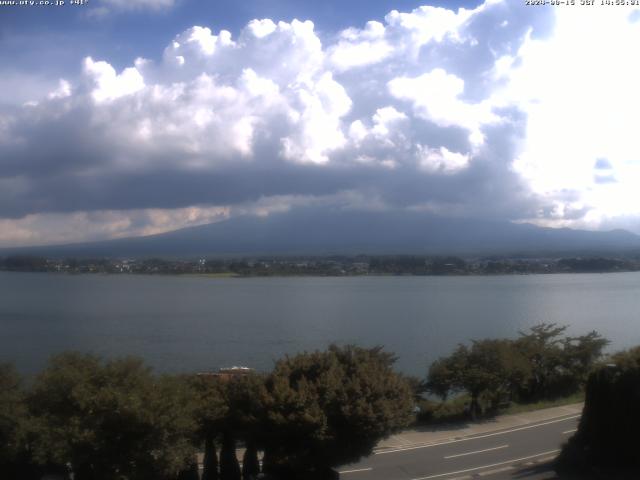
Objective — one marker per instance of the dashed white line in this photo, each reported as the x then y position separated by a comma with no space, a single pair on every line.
515,460
477,451
403,449
356,470
570,431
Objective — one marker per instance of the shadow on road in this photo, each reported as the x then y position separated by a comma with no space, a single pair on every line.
542,471
545,471
453,425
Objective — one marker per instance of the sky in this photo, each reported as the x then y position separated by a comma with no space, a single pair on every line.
133,117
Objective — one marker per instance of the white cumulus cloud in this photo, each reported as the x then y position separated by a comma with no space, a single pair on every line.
109,85
498,111
436,95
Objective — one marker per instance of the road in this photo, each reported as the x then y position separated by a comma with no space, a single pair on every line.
493,455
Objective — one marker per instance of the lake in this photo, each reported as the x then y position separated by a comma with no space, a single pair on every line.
189,323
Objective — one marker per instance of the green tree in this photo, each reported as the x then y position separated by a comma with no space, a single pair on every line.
627,359
12,412
190,473
111,419
244,396
250,463
540,364
580,356
171,439
229,466
210,461
491,369
417,385
542,347
329,408
15,456
559,365
230,408
444,378
211,411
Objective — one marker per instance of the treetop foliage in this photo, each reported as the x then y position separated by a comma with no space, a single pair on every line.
12,412
627,359
117,420
137,422
338,403
540,364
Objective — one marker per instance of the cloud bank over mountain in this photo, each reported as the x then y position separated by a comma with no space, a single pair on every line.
477,113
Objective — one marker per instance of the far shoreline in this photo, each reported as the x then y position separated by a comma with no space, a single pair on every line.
231,275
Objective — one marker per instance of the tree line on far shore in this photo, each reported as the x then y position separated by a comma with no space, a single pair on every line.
116,419
334,265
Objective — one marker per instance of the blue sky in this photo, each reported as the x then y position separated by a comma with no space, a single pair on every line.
133,117
30,35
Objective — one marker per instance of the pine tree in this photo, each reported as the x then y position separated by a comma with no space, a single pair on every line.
250,463
210,467
229,466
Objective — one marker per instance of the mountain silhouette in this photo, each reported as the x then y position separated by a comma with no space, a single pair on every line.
324,232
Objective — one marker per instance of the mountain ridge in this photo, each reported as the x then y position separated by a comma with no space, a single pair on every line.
327,232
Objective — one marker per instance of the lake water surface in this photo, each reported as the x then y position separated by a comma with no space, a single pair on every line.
186,323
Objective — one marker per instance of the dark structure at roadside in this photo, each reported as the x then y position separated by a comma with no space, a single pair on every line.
606,444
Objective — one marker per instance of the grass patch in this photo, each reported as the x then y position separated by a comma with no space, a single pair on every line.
530,407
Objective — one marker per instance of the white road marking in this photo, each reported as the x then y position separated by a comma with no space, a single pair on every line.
487,466
477,451
403,449
570,431
356,470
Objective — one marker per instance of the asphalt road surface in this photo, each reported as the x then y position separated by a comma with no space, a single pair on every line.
493,455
